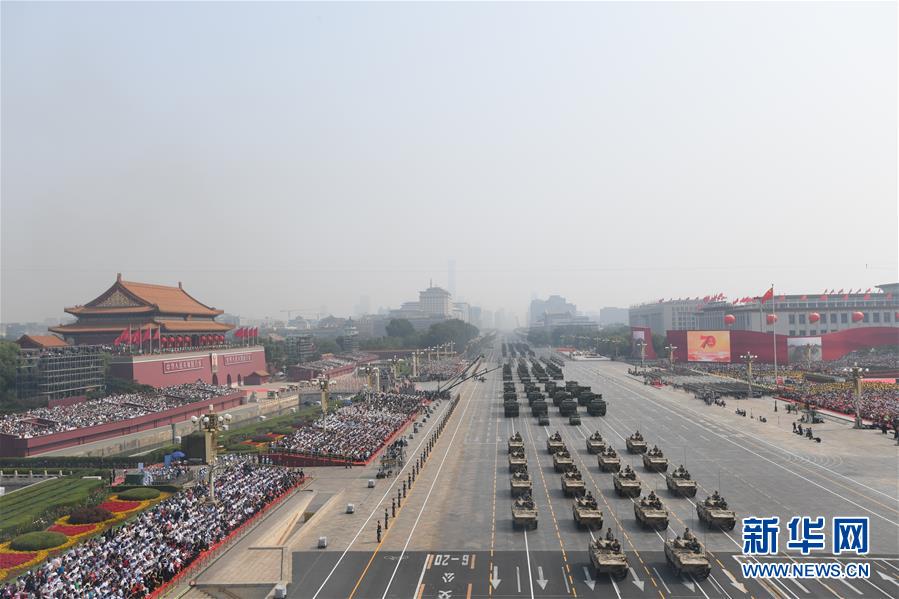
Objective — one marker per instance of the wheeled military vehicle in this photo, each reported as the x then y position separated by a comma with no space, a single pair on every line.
597,407
554,443
608,460
713,512
687,556
543,419
520,482
574,420
586,512
573,482
540,407
510,409
680,483
626,483
562,460
606,557
650,512
635,443
524,512
655,461
517,459
595,443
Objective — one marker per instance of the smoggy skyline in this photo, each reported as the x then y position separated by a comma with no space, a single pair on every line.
288,156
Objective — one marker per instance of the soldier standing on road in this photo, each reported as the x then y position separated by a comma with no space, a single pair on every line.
379,532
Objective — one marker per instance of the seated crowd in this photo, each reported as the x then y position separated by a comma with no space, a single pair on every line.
439,370
135,559
47,421
880,401
357,431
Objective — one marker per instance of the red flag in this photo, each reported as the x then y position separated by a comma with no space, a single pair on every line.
804,297
135,337
824,297
122,338
889,295
845,296
867,295
255,331
782,298
239,333
156,335
768,295
146,336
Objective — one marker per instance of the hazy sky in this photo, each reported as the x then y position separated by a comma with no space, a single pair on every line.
276,156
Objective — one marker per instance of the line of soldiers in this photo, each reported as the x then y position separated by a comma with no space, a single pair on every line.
689,541
651,501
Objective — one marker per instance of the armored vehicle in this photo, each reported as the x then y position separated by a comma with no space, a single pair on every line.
540,407
606,557
568,407
654,460
687,556
510,409
516,442
713,512
524,512
597,407
562,460
520,482
650,512
626,483
574,420
636,444
609,461
559,397
543,419
573,482
554,443
586,513
517,459
595,443
680,483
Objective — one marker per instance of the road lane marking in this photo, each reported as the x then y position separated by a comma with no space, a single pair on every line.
425,566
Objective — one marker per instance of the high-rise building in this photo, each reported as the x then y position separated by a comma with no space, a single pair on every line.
435,301
554,306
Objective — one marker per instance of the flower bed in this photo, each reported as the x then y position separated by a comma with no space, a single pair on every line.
117,506
73,530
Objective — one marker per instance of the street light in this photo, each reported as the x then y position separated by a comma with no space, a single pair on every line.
748,357
212,424
323,385
642,345
671,349
857,373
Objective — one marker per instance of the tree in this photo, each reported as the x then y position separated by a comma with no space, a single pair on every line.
400,327
454,331
9,360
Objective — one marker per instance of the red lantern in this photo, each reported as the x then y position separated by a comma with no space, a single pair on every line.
729,319
179,340
203,340
221,338
771,319
857,317
814,317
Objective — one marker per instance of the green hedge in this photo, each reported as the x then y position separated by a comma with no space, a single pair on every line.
89,515
139,494
68,462
35,541
164,488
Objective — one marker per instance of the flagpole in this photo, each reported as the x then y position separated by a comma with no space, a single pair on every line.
774,337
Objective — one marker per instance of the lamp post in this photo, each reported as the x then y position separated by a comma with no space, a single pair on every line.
671,349
749,357
857,373
212,424
642,345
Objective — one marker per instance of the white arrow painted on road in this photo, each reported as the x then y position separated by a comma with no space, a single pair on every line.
636,579
494,580
540,580
588,580
689,584
733,581
887,577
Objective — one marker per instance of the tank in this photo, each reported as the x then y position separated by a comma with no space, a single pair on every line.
609,460
713,512
606,557
562,461
517,459
520,482
687,557
680,483
554,443
655,461
636,444
651,514
597,407
573,483
626,487
586,513
516,442
595,443
524,512
574,420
